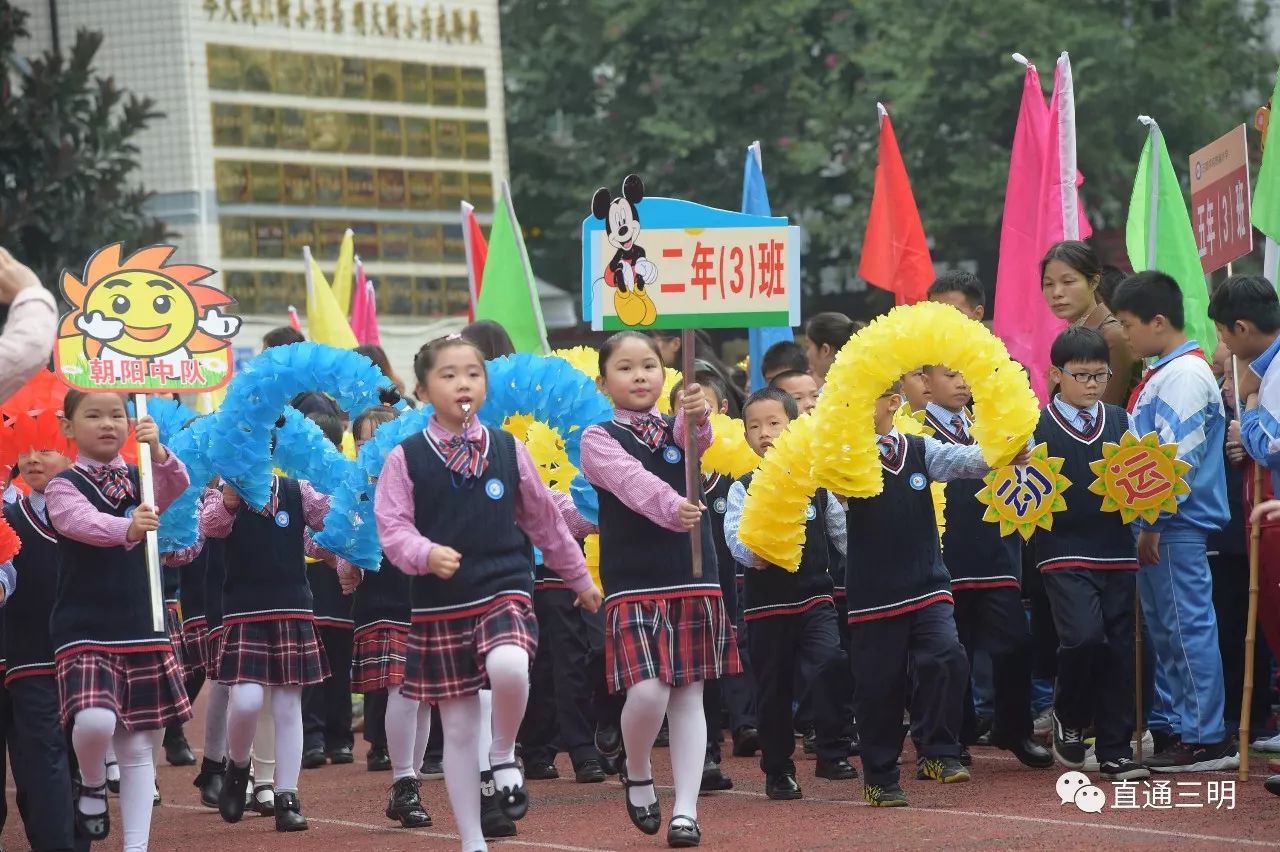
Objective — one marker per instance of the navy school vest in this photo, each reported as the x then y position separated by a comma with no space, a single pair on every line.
638,558
383,598
104,598
976,555
477,518
331,607
171,584
775,591
28,648
215,577
1083,536
717,488
899,566
191,592
266,575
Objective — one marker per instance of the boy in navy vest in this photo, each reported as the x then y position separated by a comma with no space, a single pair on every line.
901,610
1088,564
793,619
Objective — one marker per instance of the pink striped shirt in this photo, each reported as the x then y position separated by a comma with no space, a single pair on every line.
72,515
607,465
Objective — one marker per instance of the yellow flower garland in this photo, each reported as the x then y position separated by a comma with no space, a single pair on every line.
729,454
1006,411
773,524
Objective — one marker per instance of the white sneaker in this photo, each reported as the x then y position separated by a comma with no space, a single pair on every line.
1148,749
1042,726
1267,744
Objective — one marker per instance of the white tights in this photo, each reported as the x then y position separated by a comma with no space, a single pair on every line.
464,725
93,732
408,726
286,713
647,702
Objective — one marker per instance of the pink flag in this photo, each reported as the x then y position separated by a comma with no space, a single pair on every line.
1041,207
294,322
364,311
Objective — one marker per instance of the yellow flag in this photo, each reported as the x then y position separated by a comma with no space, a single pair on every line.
342,273
326,322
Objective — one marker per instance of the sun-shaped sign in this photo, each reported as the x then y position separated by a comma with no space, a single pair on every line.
1024,497
1140,477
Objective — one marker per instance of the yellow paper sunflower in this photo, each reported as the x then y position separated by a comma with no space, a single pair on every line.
1005,412
729,454
670,378
1024,497
773,514
1140,477
583,358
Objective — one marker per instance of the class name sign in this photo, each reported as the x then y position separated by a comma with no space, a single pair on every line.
662,263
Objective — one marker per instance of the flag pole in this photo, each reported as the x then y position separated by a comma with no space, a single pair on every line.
692,466
472,284
147,480
528,268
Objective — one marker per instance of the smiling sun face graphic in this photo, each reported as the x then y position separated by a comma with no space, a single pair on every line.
146,308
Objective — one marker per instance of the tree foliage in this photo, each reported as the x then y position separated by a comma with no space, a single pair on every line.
67,155
676,89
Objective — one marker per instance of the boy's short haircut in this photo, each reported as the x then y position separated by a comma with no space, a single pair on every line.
282,336
329,425
789,374
776,395
708,378
785,355
1079,344
1250,298
896,387
962,282
1148,295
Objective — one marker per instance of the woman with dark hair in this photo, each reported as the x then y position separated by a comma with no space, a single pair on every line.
826,333
704,352
1070,276
490,338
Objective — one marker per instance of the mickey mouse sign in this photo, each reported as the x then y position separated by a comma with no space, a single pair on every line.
694,266
142,325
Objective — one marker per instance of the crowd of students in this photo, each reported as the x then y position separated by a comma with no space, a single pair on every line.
485,629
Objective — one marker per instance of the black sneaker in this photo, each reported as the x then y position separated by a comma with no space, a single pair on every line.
714,780
588,771
746,741
540,770
835,770
432,768
1123,769
809,743
313,759
341,755
782,787
888,796
1197,757
377,760
1068,744
948,770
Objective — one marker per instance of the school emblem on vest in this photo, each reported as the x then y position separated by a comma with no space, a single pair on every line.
282,519
917,481
671,455
495,489
128,513
810,512
719,506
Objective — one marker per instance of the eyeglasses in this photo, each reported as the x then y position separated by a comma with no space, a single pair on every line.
1084,378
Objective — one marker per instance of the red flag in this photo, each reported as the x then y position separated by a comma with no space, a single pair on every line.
895,255
477,253
294,322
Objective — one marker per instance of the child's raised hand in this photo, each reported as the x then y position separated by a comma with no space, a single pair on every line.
144,520
694,402
230,499
147,432
589,600
691,514
444,562
349,576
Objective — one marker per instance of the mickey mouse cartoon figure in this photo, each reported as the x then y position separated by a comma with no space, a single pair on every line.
629,272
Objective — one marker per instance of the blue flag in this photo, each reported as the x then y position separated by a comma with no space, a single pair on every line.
755,200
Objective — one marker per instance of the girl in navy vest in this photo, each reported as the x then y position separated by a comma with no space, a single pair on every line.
117,676
268,632
454,505
666,631
382,611
42,769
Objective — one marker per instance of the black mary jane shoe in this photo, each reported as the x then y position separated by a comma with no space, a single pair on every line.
262,806
289,813
683,832
494,822
231,798
647,818
93,826
514,801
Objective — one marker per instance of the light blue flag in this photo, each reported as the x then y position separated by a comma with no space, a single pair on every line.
755,200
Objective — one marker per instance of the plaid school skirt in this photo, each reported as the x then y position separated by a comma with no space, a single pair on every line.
195,645
677,640
173,626
144,690
445,657
276,652
378,656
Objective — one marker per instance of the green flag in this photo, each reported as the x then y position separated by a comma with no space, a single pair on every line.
508,293
1266,193
1159,236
